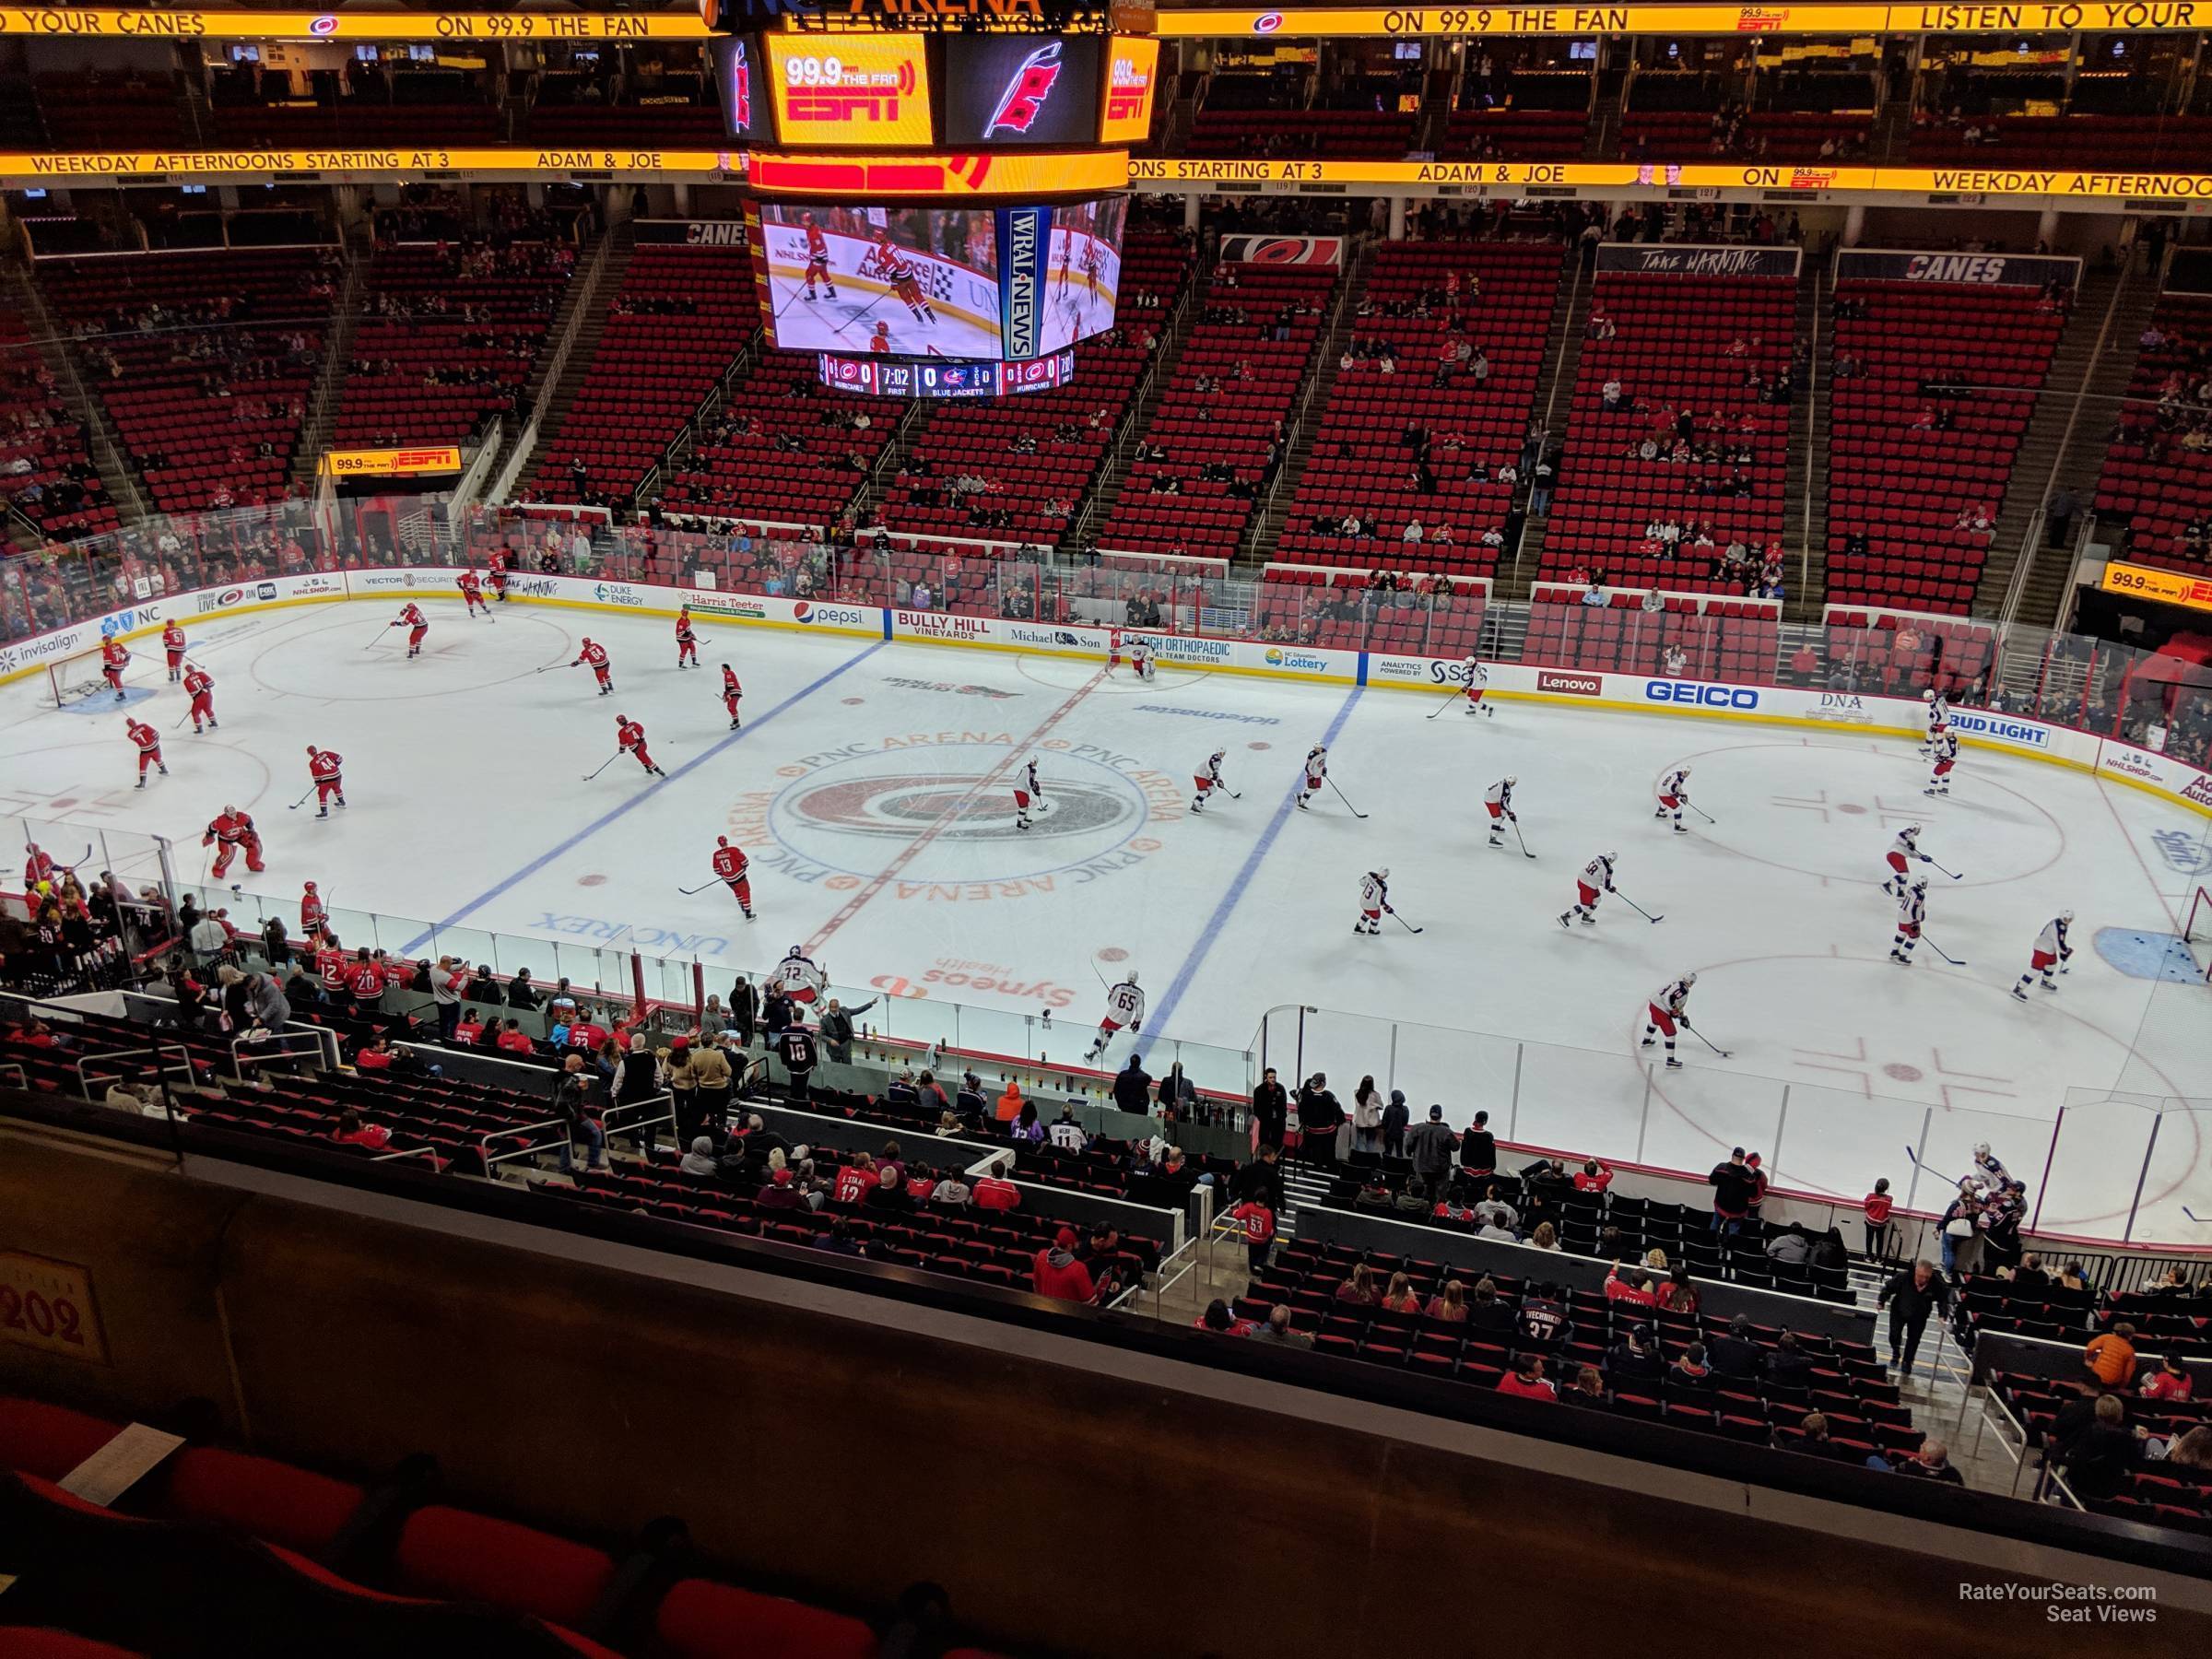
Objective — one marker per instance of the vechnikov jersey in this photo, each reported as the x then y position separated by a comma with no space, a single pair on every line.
2052,941
797,977
1500,793
1674,787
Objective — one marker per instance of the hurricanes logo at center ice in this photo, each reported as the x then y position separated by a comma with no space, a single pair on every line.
899,806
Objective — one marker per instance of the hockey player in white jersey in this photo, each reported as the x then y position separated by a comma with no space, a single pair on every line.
1497,801
1596,878
1943,750
1674,795
1124,1006
1911,910
1374,898
1664,1012
1026,790
1477,682
1140,657
1903,852
2052,950
1207,779
1940,718
1317,770
798,977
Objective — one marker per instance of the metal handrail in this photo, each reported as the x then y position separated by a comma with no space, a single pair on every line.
316,1038
155,1051
429,1152
483,1141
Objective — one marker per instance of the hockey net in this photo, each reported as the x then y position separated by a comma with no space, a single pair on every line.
2197,931
73,678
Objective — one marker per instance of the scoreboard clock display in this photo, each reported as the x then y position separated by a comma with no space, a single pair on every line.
947,377
849,90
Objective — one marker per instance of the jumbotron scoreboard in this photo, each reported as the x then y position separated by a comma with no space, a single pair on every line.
936,203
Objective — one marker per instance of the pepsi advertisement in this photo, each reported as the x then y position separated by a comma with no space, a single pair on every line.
1012,89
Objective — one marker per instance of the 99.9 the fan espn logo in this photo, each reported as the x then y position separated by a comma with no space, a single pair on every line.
831,91
1128,89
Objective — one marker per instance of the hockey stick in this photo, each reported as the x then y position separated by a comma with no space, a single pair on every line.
1231,794
1345,799
1401,921
1701,812
2193,1215
1954,875
1716,1048
1101,978
379,637
1515,821
1939,950
1639,909
604,765
302,801
1929,1169
701,888
1449,696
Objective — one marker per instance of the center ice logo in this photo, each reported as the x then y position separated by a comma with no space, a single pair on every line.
971,807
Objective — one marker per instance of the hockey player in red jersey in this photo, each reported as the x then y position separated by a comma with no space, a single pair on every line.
231,832
499,564
199,686
818,258
472,594
631,736
2050,951
1664,1012
900,276
113,659
327,767
173,642
411,618
731,864
37,866
731,693
1113,649
601,668
314,916
1596,878
686,640
880,338
148,743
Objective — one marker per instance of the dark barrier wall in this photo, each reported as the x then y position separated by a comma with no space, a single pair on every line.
1093,1500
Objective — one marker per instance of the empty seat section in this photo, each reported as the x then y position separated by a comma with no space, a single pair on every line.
1423,304
205,361
1923,431
680,316
1697,436
1234,383
2156,487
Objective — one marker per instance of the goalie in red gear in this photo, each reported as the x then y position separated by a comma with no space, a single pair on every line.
231,832
327,767
686,640
113,659
731,864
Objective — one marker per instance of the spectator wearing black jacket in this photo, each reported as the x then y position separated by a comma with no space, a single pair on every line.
1395,1119
796,1048
1788,1366
1133,1086
1910,1296
1319,1115
1270,1110
1262,1179
1732,1184
1633,1359
744,1007
1733,1354
1478,1147
521,993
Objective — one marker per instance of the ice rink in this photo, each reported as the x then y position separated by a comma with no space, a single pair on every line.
870,785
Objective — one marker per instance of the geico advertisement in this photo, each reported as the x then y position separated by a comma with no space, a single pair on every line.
849,89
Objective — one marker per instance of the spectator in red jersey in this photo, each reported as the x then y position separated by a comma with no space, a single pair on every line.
1877,1206
1525,1381
1400,1298
855,1179
468,1031
352,1132
515,1040
994,1192
1593,1177
2171,1382
1678,1295
1450,1304
1256,1216
374,1055
1222,1323
1057,1272
1633,1287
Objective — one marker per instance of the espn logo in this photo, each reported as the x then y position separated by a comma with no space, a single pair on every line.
1022,100
835,106
1573,684
1128,90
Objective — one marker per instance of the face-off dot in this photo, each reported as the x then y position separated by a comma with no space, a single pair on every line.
591,881
1897,1071
1851,808
853,702
1113,953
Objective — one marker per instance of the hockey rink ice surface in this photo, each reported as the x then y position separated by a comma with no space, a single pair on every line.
871,786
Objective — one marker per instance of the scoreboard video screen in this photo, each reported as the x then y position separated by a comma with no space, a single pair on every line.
905,91
1004,283
880,376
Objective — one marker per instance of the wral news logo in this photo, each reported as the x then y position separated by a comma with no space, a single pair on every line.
1022,100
